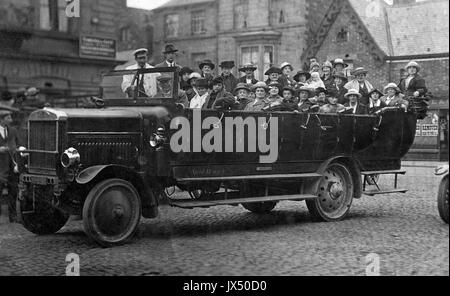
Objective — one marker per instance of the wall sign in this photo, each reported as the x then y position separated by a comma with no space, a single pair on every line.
98,47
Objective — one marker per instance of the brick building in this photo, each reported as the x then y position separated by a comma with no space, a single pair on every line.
264,32
384,38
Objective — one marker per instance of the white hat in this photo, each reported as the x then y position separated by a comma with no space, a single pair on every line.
286,64
413,64
140,50
195,75
352,92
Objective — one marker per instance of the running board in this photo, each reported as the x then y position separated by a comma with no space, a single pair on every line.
251,177
396,172
379,192
210,203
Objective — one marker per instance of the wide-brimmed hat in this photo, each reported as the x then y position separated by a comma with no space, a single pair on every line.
321,90
260,84
207,63
352,92
340,75
413,64
375,90
286,64
327,64
194,75
302,72
186,70
359,70
391,85
247,66
140,50
169,48
340,62
227,64
273,70
240,86
202,82
305,89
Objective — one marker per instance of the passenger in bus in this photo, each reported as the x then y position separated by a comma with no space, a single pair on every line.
274,74
354,105
339,66
314,66
338,87
315,81
229,80
332,106
361,84
301,78
413,84
201,89
191,91
286,77
249,77
207,67
321,96
261,90
242,93
165,88
376,103
185,74
290,100
219,98
327,74
393,97
275,89
306,99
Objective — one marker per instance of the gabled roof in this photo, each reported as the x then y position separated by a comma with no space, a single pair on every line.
422,28
176,3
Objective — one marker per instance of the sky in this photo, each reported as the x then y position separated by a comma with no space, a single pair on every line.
146,4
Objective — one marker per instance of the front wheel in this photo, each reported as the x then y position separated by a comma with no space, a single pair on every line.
111,212
443,200
335,194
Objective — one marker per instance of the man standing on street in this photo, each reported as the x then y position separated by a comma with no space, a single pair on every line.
170,54
8,144
145,83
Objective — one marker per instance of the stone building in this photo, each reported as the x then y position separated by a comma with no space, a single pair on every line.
265,32
384,38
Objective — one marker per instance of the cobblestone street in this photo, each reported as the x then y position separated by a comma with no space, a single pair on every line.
405,230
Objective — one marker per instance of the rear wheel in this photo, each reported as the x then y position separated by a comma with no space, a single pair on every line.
260,207
45,219
111,212
335,194
443,200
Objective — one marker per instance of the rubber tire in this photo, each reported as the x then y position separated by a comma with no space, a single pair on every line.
443,200
88,213
260,207
313,205
46,219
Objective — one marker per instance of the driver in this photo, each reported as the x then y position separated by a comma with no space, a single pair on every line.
146,83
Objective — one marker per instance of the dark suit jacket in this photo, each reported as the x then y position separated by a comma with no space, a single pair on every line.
164,64
361,109
229,82
6,158
416,84
339,93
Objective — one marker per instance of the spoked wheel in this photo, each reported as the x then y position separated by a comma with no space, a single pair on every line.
260,207
111,212
45,219
335,194
443,200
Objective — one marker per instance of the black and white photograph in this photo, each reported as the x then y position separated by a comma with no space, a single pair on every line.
222,144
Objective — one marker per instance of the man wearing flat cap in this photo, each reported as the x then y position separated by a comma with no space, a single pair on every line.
170,55
8,144
144,83
229,80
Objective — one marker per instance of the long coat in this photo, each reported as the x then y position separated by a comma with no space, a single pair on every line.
340,93
6,158
229,82
416,84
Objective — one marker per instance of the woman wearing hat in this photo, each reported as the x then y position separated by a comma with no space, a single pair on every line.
339,66
413,84
361,84
219,98
376,103
301,78
191,91
393,97
207,67
275,100
185,74
260,102
327,75
306,99
249,77
286,77
229,81
339,80
242,93
354,106
290,100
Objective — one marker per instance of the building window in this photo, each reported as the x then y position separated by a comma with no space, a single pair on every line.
241,14
171,25
342,36
260,55
52,15
198,22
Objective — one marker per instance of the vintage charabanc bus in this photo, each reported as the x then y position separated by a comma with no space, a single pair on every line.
110,163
